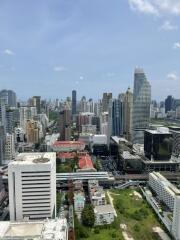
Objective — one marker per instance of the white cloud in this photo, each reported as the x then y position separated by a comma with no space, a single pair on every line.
8,52
143,6
176,45
156,7
59,69
167,26
81,78
172,76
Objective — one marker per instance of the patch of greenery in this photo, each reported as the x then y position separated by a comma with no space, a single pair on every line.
87,216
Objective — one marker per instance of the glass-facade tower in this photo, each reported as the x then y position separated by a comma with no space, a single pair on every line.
141,105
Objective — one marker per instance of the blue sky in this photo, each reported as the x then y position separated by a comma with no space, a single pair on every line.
49,47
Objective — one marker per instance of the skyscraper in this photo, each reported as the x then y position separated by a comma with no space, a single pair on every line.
128,107
105,101
141,105
74,102
2,143
65,124
115,121
8,97
169,103
37,103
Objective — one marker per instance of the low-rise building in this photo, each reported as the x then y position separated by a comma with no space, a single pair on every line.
104,214
79,201
96,193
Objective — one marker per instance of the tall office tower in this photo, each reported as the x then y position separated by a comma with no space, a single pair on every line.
26,113
37,103
32,131
105,101
141,105
45,107
98,108
128,108
3,115
90,105
2,143
32,186
9,147
169,101
10,120
74,102
65,124
115,122
8,97
83,105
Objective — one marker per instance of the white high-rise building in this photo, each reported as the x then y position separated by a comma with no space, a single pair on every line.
170,196
32,186
9,147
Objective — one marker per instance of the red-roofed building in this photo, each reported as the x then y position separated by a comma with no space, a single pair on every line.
86,164
66,156
68,146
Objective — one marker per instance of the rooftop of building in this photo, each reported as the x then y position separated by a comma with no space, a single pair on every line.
103,209
159,131
117,139
68,143
48,229
66,155
85,162
34,158
127,155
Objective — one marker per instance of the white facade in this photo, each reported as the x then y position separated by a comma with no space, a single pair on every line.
96,193
89,128
9,147
176,219
32,186
104,214
170,195
104,129
165,191
99,139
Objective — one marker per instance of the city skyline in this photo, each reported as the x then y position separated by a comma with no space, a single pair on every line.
89,46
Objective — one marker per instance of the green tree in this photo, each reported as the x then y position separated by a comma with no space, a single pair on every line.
87,216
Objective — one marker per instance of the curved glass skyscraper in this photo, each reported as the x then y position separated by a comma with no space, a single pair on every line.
141,105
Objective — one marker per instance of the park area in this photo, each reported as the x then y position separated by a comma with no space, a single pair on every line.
135,219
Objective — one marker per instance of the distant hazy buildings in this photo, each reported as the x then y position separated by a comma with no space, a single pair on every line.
141,105
105,101
37,103
2,143
74,102
32,186
8,97
168,103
